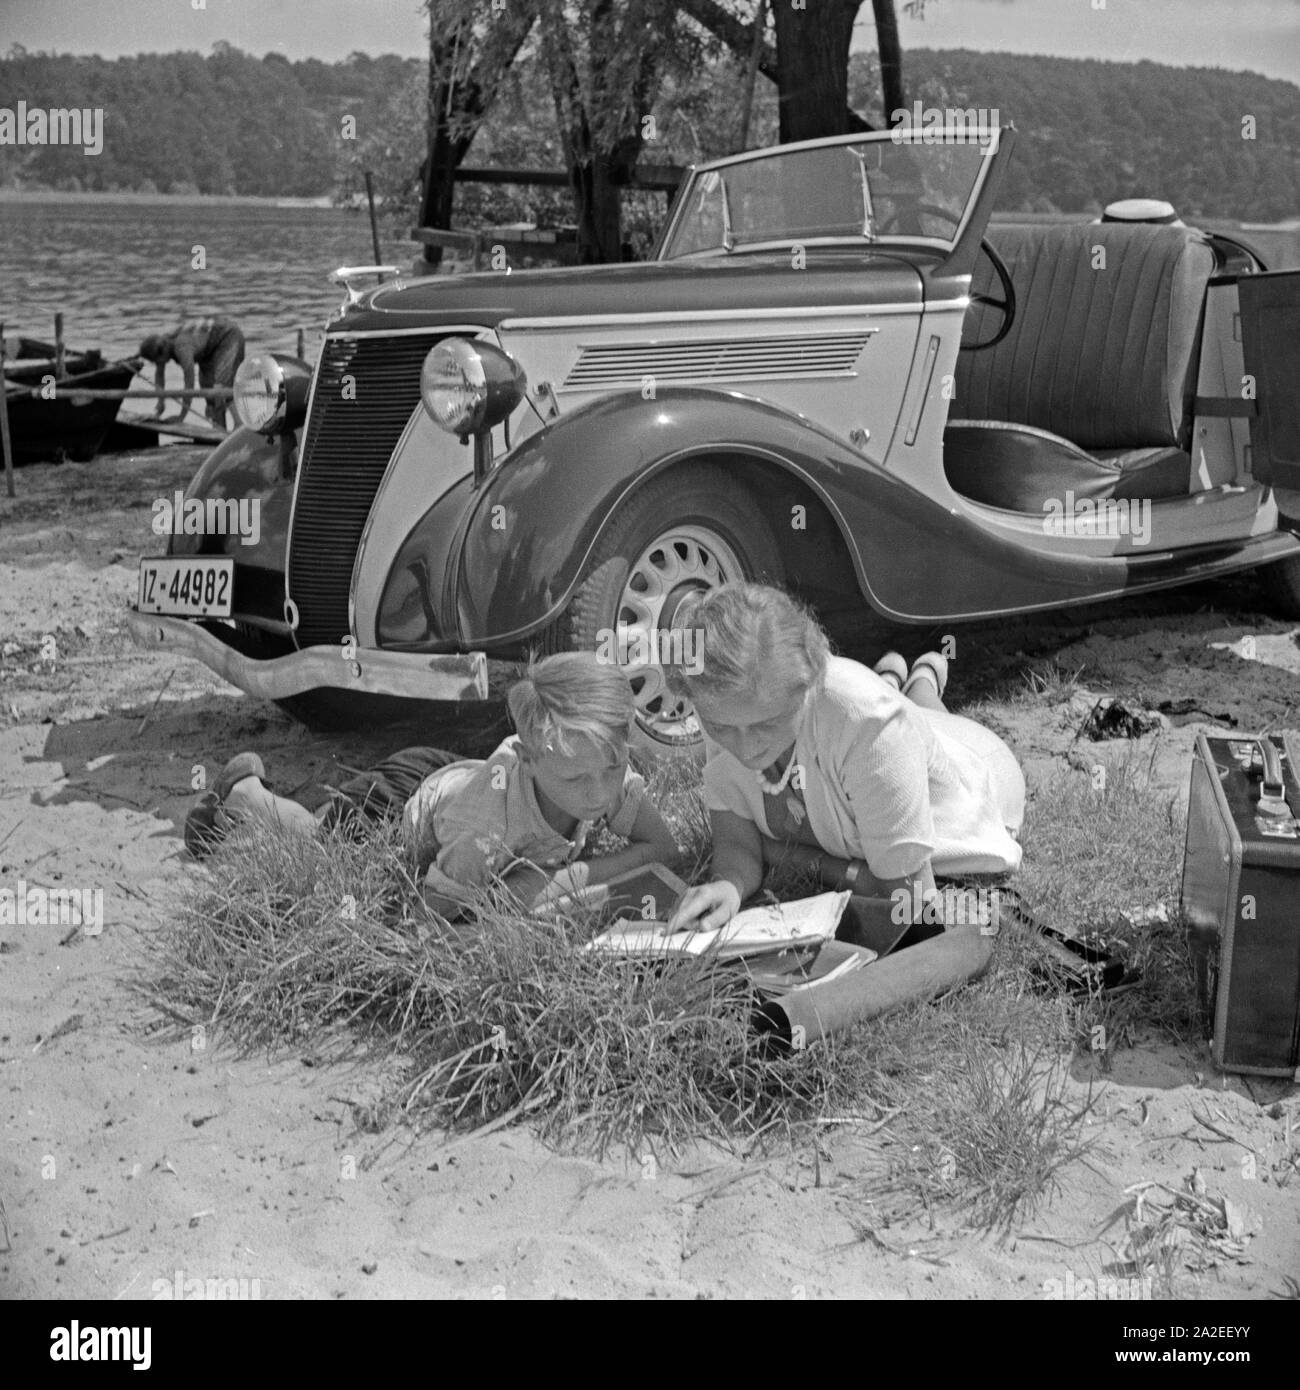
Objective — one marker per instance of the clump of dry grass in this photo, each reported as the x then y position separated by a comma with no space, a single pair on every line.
289,938
981,1116
1049,684
1099,860
976,1105
288,942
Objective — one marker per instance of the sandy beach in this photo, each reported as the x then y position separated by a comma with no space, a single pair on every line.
136,1167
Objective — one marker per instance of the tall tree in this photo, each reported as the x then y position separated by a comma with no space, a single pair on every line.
606,60
809,63
812,48
891,55
810,59
472,44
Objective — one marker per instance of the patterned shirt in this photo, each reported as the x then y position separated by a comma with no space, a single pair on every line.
479,818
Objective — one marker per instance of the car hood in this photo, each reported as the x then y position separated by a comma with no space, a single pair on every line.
754,283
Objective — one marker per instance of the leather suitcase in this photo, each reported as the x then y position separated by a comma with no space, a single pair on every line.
1241,897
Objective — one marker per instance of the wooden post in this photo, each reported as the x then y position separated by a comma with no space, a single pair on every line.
302,343
58,346
374,225
5,443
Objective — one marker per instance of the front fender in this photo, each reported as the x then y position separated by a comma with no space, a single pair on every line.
247,468
527,535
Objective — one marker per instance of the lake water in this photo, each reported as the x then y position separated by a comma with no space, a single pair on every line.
119,269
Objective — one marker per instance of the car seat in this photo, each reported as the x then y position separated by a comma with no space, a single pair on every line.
1092,389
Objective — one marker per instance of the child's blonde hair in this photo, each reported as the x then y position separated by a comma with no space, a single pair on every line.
749,638
568,696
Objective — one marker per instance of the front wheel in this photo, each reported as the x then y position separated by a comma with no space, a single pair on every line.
682,533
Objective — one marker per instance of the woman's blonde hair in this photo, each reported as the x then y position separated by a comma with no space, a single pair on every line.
748,638
569,696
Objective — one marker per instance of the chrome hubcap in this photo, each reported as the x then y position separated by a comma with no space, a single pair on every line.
684,560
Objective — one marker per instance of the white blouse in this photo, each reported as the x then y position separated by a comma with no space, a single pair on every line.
889,781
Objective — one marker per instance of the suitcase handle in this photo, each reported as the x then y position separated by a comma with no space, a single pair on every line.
1272,793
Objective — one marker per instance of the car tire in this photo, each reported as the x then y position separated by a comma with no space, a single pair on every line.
1281,581
700,529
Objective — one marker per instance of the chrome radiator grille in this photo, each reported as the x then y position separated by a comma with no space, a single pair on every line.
365,391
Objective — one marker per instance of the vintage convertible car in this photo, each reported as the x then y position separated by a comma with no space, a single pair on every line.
826,377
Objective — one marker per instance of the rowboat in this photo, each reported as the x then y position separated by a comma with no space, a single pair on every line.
65,425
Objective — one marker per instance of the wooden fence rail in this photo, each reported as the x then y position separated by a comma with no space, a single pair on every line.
68,388
648,178
560,245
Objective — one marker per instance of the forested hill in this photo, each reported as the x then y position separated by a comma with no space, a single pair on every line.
184,123
1092,130
232,123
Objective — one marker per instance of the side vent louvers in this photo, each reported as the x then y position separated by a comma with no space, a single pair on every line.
691,361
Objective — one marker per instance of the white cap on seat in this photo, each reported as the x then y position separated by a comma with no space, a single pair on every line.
1142,210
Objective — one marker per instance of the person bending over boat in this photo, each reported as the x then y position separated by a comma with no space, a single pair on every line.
860,775
214,345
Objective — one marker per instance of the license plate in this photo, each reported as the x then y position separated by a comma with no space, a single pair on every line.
187,588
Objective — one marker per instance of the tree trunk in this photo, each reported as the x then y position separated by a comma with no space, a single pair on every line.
891,59
445,157
460,93
739,37
812,46
597,197
453,102
751,72
595,175
597,179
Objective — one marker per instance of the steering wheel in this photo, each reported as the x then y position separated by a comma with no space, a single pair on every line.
1007,304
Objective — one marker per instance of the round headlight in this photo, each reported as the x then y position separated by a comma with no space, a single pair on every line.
468,387
259,393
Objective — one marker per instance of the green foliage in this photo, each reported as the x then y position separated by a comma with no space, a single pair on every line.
389,141
1090,131
225,124
519,132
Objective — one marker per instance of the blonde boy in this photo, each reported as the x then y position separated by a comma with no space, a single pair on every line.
520,817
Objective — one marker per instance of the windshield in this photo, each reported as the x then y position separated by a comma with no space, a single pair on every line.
873,189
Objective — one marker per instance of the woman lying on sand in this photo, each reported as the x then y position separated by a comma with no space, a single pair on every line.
861,776
520,818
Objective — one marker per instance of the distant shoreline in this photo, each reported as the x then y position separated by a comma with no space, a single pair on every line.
53,195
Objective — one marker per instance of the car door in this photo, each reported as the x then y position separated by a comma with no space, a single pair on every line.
1270,332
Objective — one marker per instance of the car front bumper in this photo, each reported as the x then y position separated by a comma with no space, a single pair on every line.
413,675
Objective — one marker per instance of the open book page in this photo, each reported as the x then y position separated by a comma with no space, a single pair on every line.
755,930
770,927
